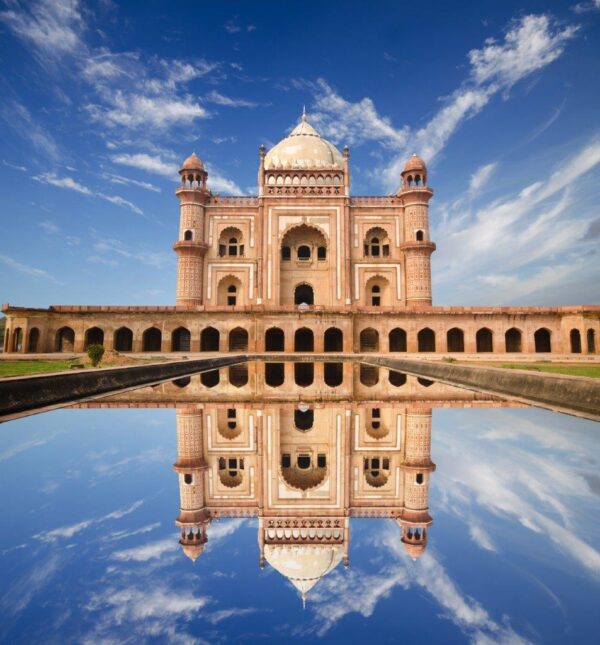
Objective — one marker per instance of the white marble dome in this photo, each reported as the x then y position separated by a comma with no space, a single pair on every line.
304,148
304,564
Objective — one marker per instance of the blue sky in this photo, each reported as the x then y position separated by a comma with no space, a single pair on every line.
89,551
100,101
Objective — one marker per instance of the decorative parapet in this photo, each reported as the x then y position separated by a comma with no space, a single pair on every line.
375,200
235,200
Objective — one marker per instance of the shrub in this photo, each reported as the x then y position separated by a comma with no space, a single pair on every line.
95,354
449,359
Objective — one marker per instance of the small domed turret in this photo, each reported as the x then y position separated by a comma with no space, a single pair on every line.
193,162
414,173
415,163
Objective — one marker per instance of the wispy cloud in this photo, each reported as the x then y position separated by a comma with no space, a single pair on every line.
149,551
220,99
26,269
234,26
13,166
480,178
150,163
127,181
19,119
109,249
50,227
71,184
121,535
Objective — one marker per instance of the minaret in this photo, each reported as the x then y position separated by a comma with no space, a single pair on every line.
416,468
417,246
193,518
191,247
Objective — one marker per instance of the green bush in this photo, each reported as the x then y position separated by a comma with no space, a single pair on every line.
95,354
449,359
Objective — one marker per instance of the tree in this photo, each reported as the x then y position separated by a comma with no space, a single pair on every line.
95,354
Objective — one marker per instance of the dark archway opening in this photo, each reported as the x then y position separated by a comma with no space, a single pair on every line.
512,338
543,343
591,341
484,340
65,340
274,340
369,340
34,338
93,336
274,374
304,374
369,375
455,339
426,340
397,340
304,340
181,340
238,375
425,382
238,340
209,340
333,374
397,379
210,379
304,419
151,340
123,341
304,295
333,340
182,382
575,341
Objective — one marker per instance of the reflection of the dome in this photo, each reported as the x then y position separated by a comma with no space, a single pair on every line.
304,472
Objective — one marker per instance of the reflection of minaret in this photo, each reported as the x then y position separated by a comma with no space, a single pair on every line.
194,517
416,467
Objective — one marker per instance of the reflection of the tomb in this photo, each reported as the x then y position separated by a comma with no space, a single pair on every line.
304,469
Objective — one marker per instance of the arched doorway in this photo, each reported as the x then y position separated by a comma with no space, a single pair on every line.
397,340
333,340
93,336
238,340
181,339
17,343
575,341
209,340
512,339
483,340
304,295
426,340
65,340
591,341
34,338
455,340
123,341
274,340
151,340
304,340
369,340
543,342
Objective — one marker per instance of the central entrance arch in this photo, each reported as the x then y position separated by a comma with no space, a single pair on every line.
304,294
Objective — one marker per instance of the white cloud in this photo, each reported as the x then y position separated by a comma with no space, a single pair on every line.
127,181
119,201
51,27
49,227
20,120
157,259
220,184
220,99
154,164
97,259
585,7
121,535
480,178
148,551
26,269
13,166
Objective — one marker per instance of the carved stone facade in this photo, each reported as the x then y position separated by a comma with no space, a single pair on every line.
304,254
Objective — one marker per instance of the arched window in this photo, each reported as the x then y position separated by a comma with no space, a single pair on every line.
93,336
321,253
426,340
375,295
333,340
397,340
591,341
304,295
181,340
542,340
188,478
420,236
304,340
575,341
231,471
151,340
274,340
231,243
304,419
369,340
377,243
333,374
455,340
238,340
304,374
123,341
17,340
419,478
286,253
274,374
34,337
397,379
512,340
210,379
369,375
238,375
187,236
484,340
184,381
304,252
425,382
65,340
231,295
376,470
209,340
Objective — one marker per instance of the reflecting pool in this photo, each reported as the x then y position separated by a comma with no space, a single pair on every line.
145,518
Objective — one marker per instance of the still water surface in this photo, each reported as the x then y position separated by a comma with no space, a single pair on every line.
89,549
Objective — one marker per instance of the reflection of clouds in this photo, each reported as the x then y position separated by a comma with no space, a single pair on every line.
104,469
358,592
147,551
121,535
24,446
69,531
545,493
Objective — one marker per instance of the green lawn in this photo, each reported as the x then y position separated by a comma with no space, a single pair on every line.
18,368
593,371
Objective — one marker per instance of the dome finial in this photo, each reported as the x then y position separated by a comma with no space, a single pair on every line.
304,600
304,113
